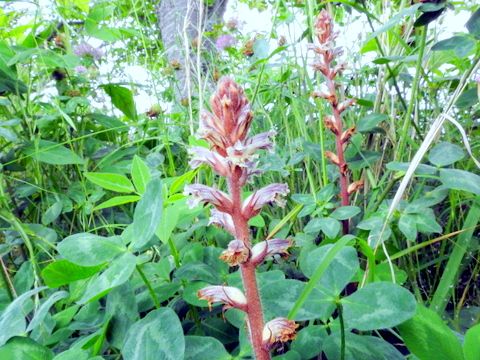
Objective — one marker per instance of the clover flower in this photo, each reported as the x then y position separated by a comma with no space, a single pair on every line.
85,49
224,41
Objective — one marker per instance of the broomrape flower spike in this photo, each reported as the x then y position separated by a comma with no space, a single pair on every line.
233,155
327,54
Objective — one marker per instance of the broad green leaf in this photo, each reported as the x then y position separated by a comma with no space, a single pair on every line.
445,154
22,348
111,181
426,222
460,180
345,212
170,218
462,45
159,336
361,347
42,311
471,344
122,99
73,354
90,250
12,319
116,274
407,224
329,226
116,201
52,153
204,348
148,214
370,122
52,213
140,174
63,272
123,309
24,278
309,341
394,20
427,337
378,305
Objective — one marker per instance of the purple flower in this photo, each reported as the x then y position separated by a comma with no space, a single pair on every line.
267,248
272,193
85,49
476,78
230,296
224,41
205,194
80,69
201,155
223,220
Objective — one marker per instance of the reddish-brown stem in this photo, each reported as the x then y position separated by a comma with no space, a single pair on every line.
254,305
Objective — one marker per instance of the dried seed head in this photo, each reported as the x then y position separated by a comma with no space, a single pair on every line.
237,253
228,295
278,330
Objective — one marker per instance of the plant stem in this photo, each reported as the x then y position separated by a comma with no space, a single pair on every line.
254,305
342,330
149,287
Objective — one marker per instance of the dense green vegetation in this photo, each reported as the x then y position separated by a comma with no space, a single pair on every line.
102,254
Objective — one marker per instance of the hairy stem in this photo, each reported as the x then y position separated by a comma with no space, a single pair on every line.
254,305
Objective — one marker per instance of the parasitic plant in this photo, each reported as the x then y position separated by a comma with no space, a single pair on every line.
233,155
325,63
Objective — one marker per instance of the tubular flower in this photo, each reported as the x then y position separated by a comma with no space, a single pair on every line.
201,155
272,193
222,220
278,330
205,194
228,295
267,248
237,253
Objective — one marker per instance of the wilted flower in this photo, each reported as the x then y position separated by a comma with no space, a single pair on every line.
223,220
228,295
278,330
85,49
224,41
237,253
267,248
354,186
205,194
272,193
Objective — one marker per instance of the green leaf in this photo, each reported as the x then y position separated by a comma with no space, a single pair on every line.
445,154
90,250
471,344
460,180
12,319
111,181
473,24
329,226
52,153
204,348
116,274
427,337
122,99
42,311
408,226
159,335
63,272
361,347
370,122
73,354
140,174
426,222
378,305
345,212
460,44
309,341
394,20
52,213
116,201
22,348
148,214
170,218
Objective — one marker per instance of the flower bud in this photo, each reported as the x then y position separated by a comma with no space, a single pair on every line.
355,186
272,193
228,295
278,330
267,248
237,253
